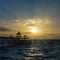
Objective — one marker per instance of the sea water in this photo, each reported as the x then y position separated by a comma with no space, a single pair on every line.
38,50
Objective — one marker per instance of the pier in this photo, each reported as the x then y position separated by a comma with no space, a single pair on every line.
10,41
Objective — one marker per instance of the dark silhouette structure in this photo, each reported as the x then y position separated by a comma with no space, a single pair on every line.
25,37
11,40
18,35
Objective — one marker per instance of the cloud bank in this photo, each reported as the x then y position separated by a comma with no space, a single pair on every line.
5,29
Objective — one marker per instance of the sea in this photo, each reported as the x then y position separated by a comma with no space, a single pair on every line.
37,50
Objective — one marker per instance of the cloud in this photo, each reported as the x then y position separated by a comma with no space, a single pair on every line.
47,21
36,22
5,29
32,22
17,24
50,36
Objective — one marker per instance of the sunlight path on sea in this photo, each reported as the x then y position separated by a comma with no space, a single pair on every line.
35,51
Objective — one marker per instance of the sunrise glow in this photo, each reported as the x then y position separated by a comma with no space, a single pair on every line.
34,18
34,30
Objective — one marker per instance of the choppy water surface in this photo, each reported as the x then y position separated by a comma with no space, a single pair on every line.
38,50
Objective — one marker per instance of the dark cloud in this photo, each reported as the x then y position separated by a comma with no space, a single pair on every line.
53,36
5,29
49,36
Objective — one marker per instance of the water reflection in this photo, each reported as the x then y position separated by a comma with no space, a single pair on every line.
38,50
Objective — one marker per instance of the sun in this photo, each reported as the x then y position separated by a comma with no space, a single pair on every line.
34,30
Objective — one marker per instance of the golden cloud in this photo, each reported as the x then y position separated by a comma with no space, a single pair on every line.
26,22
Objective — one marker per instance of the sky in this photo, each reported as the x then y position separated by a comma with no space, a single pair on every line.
25,15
